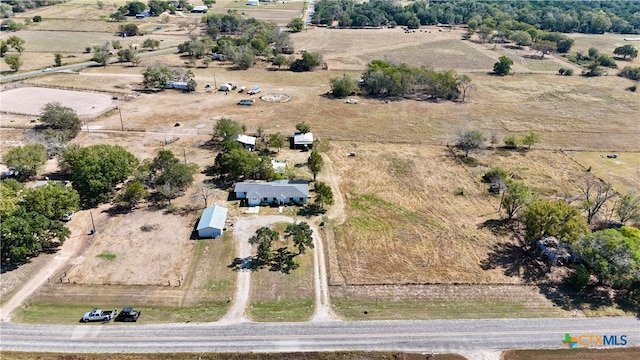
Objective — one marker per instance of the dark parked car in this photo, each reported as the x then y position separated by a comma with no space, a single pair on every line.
127,314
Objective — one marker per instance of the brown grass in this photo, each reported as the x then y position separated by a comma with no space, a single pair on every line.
626,353
338,355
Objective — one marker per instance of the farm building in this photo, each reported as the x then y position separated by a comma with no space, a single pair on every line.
302,140
200,9
275,192
211,224
247,141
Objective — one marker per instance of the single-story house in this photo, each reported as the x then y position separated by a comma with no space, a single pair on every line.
302,140
199,9
247,141
211,224
275,192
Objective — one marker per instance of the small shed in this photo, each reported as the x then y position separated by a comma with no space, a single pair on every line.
247,141
302,140
211,224
200,9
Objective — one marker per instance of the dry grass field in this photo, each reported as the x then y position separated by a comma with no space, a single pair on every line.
413,214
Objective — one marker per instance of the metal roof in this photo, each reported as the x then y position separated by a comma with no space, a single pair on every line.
275,189
246,139
213,217
303,138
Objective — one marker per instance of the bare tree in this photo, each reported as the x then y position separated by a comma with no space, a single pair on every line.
594,196
629,207
203,191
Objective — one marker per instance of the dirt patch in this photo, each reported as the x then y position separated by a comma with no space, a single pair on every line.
276,98
30,101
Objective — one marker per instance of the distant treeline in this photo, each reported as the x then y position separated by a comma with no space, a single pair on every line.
8,7
592,17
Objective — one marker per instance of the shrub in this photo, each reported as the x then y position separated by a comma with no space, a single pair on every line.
37,18
511,141
494,175
632,88
630,72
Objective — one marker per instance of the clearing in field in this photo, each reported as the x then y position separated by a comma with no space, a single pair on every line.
30,101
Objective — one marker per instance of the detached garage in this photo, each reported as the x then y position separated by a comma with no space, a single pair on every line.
211,222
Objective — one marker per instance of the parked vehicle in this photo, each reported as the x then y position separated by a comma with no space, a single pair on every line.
128,314
97,315
246,102
254,91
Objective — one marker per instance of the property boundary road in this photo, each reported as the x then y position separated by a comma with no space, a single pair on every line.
463,336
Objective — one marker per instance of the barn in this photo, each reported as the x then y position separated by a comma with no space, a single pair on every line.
211,224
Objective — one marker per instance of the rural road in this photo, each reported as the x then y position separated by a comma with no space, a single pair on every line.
79,66
463,336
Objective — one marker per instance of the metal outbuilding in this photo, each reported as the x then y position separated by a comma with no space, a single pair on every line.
211,224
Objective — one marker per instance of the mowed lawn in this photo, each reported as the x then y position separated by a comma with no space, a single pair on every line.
276,296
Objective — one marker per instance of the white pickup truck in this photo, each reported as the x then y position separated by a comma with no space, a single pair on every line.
97,315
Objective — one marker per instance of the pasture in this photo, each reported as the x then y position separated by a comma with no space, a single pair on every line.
413,214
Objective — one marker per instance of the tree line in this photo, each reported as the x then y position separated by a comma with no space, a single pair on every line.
384,79
610,255
593,17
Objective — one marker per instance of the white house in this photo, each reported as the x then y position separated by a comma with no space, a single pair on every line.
247,141
211,224
302,140
275,192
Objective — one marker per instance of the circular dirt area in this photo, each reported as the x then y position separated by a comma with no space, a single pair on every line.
30,101
276,97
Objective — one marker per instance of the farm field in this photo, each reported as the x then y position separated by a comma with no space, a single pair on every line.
413,215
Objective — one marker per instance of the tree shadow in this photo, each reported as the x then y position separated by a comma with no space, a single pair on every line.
117,210
311,210
515,261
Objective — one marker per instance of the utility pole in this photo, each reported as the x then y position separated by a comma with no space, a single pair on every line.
93,225
184,154
121,123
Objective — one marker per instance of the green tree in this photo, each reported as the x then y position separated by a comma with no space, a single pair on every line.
516,197
95,170
521,38
612,255
511,141
543,218
308,62
131,194
157,76
296,24
10,191
276,140
129,29
302,127
628,208
280,60
101,57
228,130
503,66
301,234
58,60
463,83
343,86
324,194
544,46
626,50
135,7
14,61
151,44
62,120
16,43
168,175
469,141
315,162
26,160
531,139
264,238
52,200
3,47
